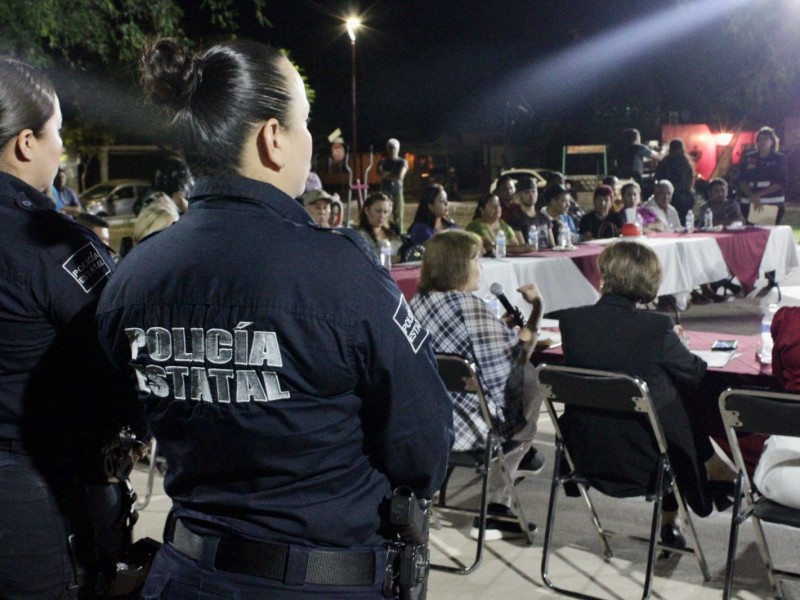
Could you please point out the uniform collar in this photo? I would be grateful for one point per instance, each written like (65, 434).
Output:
(617, 300)
(255, 193)
(15, 189)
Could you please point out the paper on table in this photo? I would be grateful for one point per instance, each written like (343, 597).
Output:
(715, 358)
(766, 215)
(601, 241)
(548, 339)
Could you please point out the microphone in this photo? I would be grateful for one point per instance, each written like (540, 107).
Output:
(515, 313)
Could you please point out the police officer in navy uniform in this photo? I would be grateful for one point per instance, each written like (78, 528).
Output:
(60, 399)
(762, 175)
(290, 387)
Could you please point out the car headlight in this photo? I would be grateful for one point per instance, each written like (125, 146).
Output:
(95, 207)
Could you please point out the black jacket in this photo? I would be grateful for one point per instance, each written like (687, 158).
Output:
(288, 384)
(58, 392)
(614, 335)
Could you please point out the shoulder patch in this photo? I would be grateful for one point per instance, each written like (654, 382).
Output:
(87, 267)
(412, 329)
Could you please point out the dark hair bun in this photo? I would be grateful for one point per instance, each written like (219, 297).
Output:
(169, 74)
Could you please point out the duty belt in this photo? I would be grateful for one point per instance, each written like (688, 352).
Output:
(274, 561)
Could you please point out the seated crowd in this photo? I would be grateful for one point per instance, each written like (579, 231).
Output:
(461, 323)
(651, 347)
(529, 218)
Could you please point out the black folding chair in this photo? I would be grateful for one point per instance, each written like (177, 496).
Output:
(459, 376)
(768, 413)
(620, 393)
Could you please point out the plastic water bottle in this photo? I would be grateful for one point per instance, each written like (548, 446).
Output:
(563, 237)
(533, 237)
(765, 348)
(689, 222)
(543, 231)
(386, 254)
(708, 220)
(500, 245)
(493, 304)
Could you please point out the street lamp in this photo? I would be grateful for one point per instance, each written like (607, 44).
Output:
(353, 23)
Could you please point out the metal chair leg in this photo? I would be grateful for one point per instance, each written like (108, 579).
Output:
(598, 527)
(654, 530)
(482, 514)
(761, 542)
(551, 514)
(517, 505)
(736, 519)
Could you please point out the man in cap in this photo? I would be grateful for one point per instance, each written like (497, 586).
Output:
(392, 171)
(524, 217)
(318, 205)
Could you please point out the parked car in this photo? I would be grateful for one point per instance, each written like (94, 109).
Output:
(114, 197)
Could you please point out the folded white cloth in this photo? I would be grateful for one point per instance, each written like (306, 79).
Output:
(778, 472)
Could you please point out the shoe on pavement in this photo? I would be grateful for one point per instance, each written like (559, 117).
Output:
(699, 299)
(531, 464)
(497, 529)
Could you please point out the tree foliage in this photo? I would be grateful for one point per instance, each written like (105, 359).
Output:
(90, 49)
(108, 31)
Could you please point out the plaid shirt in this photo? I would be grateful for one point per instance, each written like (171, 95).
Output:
(459, 323)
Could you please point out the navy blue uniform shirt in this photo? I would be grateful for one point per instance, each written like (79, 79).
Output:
(58, 393)
(761, 172)
(289, 386)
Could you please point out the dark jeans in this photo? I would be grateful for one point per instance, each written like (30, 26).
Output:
(34, 556)
(174, 576)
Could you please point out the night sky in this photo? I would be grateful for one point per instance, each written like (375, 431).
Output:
(425, 68)
(547, 71)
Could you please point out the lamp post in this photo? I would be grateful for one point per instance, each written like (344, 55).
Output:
(353, 23)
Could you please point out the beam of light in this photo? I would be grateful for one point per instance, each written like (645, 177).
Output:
(99, 103)
(353, 23)
(560, 80)
(723, 139)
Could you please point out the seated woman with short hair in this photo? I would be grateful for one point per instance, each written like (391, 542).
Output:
(461, 323)
(614, 335)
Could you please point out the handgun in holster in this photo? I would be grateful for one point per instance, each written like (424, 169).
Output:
(409, 557)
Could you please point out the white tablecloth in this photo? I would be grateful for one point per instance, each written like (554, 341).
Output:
(687, 262)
